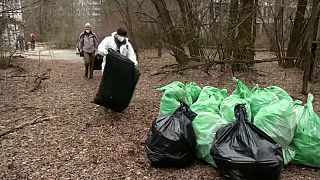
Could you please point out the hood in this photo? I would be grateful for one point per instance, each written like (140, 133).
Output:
(114, 33)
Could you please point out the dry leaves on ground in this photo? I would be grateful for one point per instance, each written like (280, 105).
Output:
(78, 140)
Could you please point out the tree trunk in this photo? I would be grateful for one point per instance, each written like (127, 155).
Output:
(231, 42)
(245, 50)
(295, 42)
(311, 30)
(278, 44)
(190, 27)
(231, 36)
(309, 35)
(159, 39)
(124, 9)
(131, 29)
(254, 26)
(171, 32)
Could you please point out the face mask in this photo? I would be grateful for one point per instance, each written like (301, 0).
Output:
(120, 38)
(87, 31)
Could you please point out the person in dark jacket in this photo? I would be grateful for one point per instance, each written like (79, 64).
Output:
(20, 42)
(88, 44)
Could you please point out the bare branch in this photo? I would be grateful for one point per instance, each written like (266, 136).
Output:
(33, 122)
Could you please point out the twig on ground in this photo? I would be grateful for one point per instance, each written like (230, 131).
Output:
(18, 107)
(221, 62)
(162, 71)
(245, 61)
(39, 79)
(35, 121)
(18, 76)
(147, 62)
(170, 65)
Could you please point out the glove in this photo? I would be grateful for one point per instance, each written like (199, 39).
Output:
(81, 54)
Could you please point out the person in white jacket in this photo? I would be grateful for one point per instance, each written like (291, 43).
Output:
(119, 42)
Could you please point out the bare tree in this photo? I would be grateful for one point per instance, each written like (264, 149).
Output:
(245, 39)
(297, 31)
(233, 20)
(310, 35)
(191, 28)
(125, 9)
(172, 33)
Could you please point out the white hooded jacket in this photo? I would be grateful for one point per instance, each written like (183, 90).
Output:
(125, 49)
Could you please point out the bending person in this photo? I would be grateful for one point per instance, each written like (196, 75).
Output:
(119, 42)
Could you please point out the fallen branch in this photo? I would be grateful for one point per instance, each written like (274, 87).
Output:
(221, 62)
(18, 107)
(244, 61)
(177, 70)
(170, 65)
(38, 80)
(18, 76)
(147, 62)
(162, 72)
(33, 122)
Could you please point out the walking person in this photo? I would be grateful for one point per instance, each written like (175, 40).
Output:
(20, 42)
(88, 44)
(33, 41)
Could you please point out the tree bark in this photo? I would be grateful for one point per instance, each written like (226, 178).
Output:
(173, 34)
(308, 36)
(278, 44)
(295, 42)
(190, 27)
(245, 37)
(311, 30)
(231, 36)
(125, 11)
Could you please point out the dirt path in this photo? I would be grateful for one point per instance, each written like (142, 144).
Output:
(45, 53)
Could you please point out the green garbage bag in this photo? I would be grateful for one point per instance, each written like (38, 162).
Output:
(174, 94)
(288, 155)
(208, 120)
(298, 109)
(241, 90)
(306, 142)
(218, 94)
(279, 121)
(256, 89)
(238, 96)
(260, 99)
(281, 94)
(227, 108)
(194, 90)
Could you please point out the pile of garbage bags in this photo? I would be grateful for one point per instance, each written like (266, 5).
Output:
(246, 122)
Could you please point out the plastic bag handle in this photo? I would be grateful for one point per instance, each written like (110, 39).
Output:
(240, 113)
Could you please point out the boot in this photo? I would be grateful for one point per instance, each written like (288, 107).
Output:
(86, 71)
(91, 72)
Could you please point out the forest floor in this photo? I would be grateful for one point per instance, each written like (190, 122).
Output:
(54, 131)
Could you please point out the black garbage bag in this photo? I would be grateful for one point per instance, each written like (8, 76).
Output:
(242, 151)
(98, 59)
(118, 82)
(171, 141)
